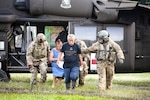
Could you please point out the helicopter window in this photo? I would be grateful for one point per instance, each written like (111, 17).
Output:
(30, 37)
(116, 34)
(86, 33)
(20, 0)
(18, 40)
(51, 33)
(1, 45)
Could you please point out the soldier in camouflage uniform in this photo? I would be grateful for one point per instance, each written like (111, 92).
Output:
(37, 57)
(83, 69)
(106, 51)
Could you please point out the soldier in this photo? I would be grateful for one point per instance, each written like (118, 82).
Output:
(83, 69)
(37, 57)
(106, 51)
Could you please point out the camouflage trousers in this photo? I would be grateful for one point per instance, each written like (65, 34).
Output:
(82, 74)
(42, 68)
(105, 70)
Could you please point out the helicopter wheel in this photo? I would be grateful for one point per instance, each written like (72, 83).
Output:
(3, 76)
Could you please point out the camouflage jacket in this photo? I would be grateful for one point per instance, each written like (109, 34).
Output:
(83, 46)
(36, 53)
(108, 54)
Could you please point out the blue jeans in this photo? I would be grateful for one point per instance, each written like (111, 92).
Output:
(71, 74)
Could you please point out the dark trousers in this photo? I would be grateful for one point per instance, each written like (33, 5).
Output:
(71, 74)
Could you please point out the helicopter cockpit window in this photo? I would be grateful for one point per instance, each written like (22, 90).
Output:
(86, 33)
(116, 34)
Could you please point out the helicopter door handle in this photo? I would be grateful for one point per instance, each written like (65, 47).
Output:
(142, 56)
(138, 57)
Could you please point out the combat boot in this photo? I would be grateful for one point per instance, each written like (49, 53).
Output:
(81, 82)
(108, 87)
(67, 86)
(73, 85)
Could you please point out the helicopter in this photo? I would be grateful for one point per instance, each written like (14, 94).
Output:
(127, 22)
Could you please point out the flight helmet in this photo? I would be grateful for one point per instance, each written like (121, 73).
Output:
(103, 36)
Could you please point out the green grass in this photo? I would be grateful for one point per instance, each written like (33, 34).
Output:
(46, 97)
(136, 79)
(127, 86)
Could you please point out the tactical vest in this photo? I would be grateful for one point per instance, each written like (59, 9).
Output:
(40, 51)
(106, 53)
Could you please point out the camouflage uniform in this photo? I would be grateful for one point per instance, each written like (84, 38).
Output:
(37, 56)
(106, 57)
(86, 57)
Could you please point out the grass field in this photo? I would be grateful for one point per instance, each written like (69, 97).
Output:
(126, 86)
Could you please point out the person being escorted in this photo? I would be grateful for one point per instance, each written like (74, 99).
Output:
(83, 69)
(57, 71)
(37, 57)
(72, 56)
(106, 51)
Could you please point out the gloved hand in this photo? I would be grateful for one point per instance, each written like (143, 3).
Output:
(121, 61)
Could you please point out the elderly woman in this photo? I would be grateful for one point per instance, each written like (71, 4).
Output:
(72, 56)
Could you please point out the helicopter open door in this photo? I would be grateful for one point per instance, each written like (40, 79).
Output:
(17, 58)
(123, 34)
